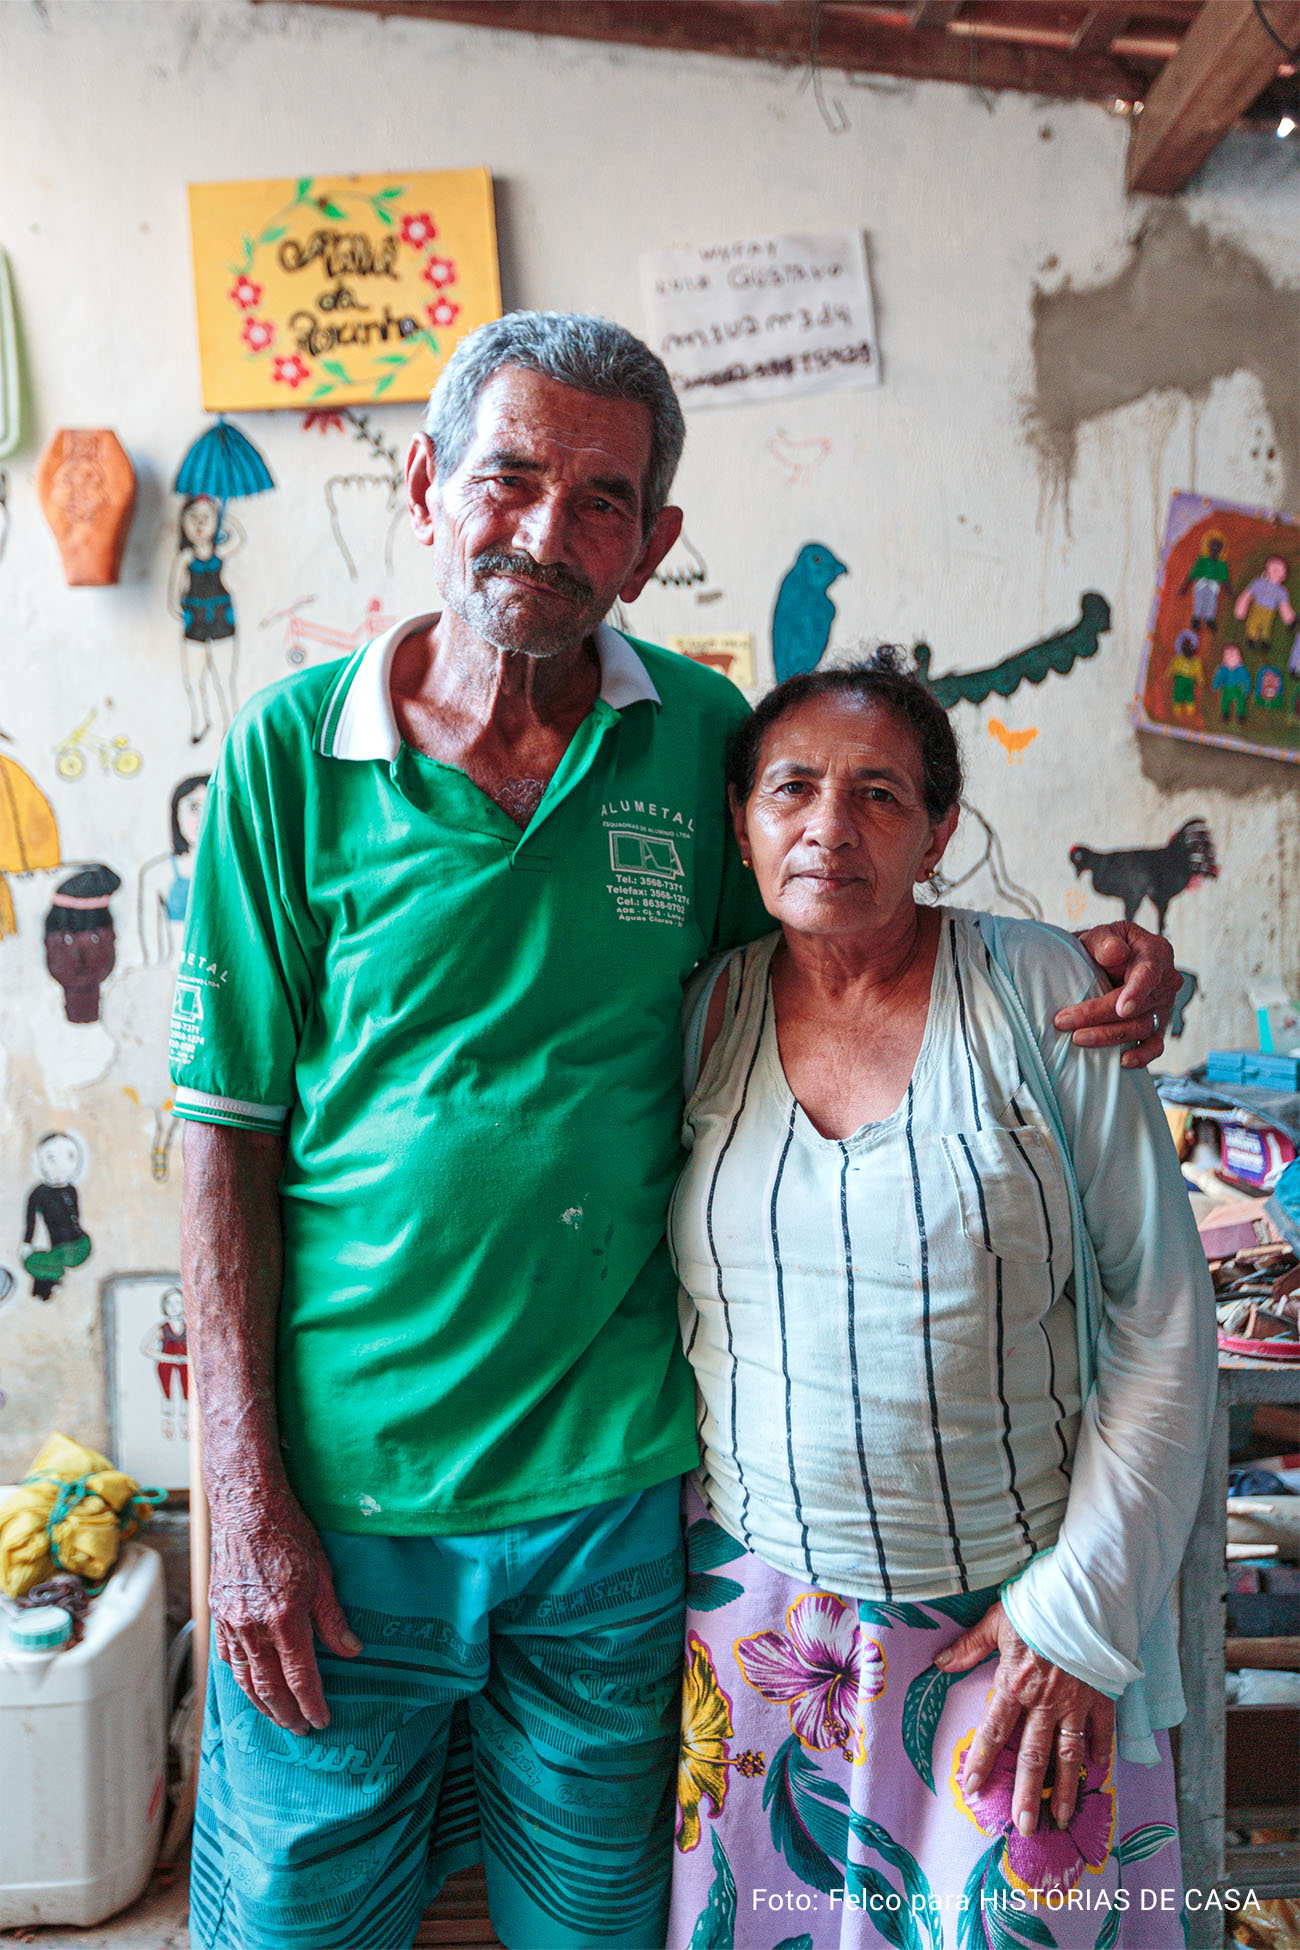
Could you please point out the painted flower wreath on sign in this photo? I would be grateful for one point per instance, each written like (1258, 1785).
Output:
(325, 340)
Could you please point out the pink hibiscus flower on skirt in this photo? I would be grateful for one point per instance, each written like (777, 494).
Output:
(1052, 1860)
(822, 1669)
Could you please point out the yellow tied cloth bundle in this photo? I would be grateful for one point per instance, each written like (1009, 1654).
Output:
(70, 1513)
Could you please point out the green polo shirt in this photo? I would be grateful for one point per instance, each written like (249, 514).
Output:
(470, 1036)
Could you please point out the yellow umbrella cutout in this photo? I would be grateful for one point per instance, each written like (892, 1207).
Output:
(29, 834)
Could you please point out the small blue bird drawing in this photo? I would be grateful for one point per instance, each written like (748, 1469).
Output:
(804, 612)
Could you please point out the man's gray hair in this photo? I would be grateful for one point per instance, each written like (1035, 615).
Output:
(591, 354)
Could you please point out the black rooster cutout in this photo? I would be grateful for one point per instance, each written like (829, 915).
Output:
(1151, 873)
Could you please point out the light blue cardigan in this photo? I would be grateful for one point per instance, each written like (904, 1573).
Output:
(1154, 1698)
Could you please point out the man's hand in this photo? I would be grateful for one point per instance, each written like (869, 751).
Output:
(270, 1584)
(1065, 1722)
(1136, 1013)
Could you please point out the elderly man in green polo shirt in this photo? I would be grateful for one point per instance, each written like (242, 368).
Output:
(427, 1036)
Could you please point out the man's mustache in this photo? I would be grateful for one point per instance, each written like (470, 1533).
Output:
(548, 575)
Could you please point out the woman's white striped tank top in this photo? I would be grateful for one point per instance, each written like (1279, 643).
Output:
(883, 1343)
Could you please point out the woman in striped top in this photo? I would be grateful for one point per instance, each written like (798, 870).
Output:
(899, 1479)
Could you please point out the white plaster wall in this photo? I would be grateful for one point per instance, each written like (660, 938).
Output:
(931, 492)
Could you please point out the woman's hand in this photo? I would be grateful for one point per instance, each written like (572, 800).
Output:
(1065, 1720)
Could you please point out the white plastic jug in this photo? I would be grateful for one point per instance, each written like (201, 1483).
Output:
(83, 1757)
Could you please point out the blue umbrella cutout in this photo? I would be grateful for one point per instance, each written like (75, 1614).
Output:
(224, 465)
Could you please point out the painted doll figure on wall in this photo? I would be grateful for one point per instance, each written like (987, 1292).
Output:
(80, 940)
(1187, 671)
(1208, 580)
(53, 1204)
(165, 880)
(141, 998)
(166, 1345)
(1262, 600)
(208, 536)
(1232, 682)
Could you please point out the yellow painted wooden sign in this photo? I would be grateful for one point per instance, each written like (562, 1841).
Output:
(339, 290)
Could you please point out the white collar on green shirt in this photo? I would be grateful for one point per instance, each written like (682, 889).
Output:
(363, 725)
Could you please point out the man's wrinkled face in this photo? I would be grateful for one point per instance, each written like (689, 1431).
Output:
(541, 526)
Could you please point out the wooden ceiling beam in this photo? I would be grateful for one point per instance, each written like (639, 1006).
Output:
(1226, 58)
(848, 37)
(933, 13)
(1098, 29)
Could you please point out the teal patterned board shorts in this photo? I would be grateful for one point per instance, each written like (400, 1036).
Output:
(822, 1803)
(516, 1703)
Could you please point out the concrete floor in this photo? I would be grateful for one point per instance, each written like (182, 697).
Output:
(156, 1922)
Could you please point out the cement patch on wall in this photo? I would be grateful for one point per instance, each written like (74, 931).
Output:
(1188, 308)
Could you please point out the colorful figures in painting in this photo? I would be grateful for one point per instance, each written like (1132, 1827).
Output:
(80, 940)
(1187, 671)
(53, 1204)
(1232, 682)
(1268, 687)
(1262, 600)
(804, 614)
(1154, 873)
(1208, 580)
(1241, 568)
(166, 1345)
(208, 537)
(165, 880)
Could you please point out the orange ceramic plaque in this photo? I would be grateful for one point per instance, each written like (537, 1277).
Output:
(339, 289)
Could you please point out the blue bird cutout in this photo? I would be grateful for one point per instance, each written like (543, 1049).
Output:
(804, 612)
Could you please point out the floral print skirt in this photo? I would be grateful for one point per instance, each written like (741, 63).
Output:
(820, 1796)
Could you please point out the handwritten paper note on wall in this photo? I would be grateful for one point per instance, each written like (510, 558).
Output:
(764, 318)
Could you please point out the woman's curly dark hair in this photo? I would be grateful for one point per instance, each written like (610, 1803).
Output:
(881, 679)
